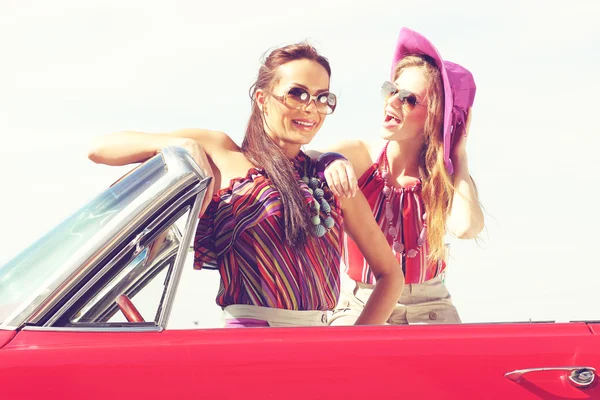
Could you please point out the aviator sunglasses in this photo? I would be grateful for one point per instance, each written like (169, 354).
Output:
(408, 99)
(298, 98)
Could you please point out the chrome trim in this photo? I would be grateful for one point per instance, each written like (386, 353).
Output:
(583, 377)
(138, 238)
(8, 328)
(580, 377)
(140, 273)
(181, 172)
(151, 227)
(107, 329)
(86, 255)
(52, 320)
(80, 273)
(175, 277)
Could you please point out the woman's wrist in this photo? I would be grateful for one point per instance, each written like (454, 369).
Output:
(324, 160)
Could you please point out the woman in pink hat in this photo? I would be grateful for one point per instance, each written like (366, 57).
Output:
(416, 181)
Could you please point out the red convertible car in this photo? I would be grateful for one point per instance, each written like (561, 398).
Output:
(85, 314)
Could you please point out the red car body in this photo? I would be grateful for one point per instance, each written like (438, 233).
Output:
(426, 362)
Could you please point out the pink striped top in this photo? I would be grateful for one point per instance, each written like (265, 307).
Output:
(407, 204)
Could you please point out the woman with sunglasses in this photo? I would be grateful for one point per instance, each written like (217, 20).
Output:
(416, 181)
(273, 228)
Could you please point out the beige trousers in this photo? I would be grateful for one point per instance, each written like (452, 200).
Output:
(422, 303)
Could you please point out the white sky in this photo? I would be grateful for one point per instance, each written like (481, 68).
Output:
(71, 70)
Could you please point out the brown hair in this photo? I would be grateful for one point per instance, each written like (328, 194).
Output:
(438, 189)
(263, 152)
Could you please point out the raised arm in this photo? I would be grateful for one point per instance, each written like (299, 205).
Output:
(465, 220)
(205, 147)
(128, 147)
(362, 228)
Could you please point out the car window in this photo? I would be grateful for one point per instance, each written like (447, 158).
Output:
(31, 276)
(139, 277)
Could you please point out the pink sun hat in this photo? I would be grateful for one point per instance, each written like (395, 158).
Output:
(458, 82)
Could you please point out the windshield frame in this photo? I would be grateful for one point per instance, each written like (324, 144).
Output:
(152, 184)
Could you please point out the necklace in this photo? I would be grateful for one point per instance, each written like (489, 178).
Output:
(397, 245)
(320, 193)
(319, 202)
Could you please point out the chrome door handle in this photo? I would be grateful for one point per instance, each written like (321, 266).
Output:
(581, 377)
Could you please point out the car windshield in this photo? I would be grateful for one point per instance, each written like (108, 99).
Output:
(27, 280)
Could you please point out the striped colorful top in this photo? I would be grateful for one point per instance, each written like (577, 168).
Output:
(242, 232)
(408, 207)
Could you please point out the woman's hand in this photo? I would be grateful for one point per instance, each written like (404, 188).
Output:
(341, 178)
(459, 151)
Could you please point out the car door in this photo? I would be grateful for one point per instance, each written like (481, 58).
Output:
(442, 362)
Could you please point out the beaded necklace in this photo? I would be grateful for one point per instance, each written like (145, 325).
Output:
(316, 188)
(321, 194)
(397, 245)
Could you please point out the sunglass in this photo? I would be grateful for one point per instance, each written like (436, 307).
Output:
(408, 99)
(299, 98)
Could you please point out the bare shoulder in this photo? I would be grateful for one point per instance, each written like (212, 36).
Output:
(375, 147)
(223, 152)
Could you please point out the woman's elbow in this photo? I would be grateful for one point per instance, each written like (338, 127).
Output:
(93, 156)
(399, 283)
(95, 153)
(394, 280)
(467, 231)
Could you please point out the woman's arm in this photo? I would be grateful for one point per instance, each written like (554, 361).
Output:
(466, 219)
(129, 147)
(362, 228)
(123, 148)
(341, 176)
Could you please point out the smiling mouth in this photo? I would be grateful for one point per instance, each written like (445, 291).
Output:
(389, 117)
(304, 124)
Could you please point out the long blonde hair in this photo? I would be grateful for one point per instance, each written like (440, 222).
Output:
(437, 189)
